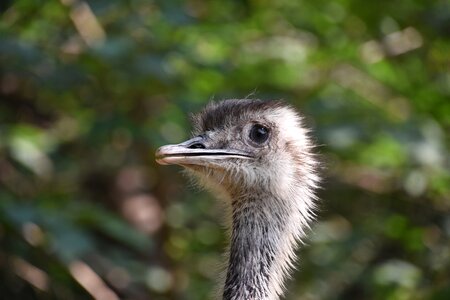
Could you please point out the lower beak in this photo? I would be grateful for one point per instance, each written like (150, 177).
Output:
(194, 152)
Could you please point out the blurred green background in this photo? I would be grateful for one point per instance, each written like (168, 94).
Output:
(89, 90)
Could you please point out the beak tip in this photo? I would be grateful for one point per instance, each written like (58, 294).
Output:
(161, 161)
(159, 156)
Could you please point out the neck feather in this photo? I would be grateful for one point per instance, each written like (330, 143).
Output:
(264, 234)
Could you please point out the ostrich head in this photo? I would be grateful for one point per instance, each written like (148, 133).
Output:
(258, 155)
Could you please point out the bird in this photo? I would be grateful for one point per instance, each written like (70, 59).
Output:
(259, 157)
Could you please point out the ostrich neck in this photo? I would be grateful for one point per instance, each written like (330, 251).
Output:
(263, 240)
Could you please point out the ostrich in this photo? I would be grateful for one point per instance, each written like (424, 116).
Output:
(257, 155)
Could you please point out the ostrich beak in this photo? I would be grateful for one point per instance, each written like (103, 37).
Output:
(195, 152)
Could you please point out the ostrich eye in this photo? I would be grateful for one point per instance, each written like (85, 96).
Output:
(259, 134)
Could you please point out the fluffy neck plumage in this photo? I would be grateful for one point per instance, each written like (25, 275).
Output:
(264, 235)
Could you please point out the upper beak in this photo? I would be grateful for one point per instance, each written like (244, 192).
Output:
(194, 152)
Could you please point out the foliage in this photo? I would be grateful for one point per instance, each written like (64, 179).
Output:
(89, 90)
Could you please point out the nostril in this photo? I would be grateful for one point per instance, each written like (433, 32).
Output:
(197, 146)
